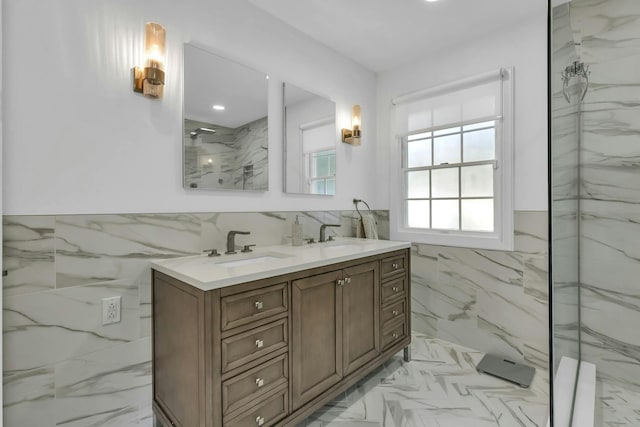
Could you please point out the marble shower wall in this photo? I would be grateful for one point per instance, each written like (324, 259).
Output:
(251, 159)
(491, 301)
(610, 253)
(61, 365)
(239, 156)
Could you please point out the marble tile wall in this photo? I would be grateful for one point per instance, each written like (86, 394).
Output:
(491, 301)
(610, 187)
(62, 367)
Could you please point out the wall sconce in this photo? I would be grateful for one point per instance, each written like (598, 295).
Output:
(352, 136)
(149, 80)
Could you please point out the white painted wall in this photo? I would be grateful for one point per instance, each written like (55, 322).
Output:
(523, 46)
(78, 140)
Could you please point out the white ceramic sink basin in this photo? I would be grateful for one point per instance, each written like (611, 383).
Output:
(344, 245)
(338, 244)
(250, 259)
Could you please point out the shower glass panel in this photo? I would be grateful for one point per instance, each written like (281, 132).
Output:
(595, 203)
(565, 228)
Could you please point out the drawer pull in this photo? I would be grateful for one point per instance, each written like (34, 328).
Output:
(394, 335)
(259, 420)
(395, 265)
(259, 305)
(259, 343)
(259, 382)
(395, 289)
(395, 312)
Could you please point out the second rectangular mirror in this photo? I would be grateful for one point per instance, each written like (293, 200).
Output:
(309, 142)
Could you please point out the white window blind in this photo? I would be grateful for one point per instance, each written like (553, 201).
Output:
(469, 101)
(318, 136)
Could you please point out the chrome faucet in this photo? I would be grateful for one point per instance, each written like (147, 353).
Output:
(322, 232)
(231, 244)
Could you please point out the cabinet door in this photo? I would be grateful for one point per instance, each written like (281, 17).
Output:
(361, 315)
(316, 346)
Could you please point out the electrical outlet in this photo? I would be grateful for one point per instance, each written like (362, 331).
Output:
(111, 310)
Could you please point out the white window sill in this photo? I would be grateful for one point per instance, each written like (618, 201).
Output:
(491, 241)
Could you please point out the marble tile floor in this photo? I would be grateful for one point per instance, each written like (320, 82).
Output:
(438, 388)
(616, 406)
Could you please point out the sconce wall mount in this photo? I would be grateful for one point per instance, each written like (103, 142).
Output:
(149, 80)
(352, 136)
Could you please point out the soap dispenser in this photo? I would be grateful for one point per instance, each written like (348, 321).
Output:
(296, 233)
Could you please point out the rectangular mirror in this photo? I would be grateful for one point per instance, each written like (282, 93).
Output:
(225, 143)
(309, 142)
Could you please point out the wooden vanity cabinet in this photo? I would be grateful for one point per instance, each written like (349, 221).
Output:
(273, 351)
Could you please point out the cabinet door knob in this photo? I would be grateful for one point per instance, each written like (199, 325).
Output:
(259, 305)
(259, 382)
(395, 265)
(395, 312)
(340, 282)
(259, 343)
(395, 289)
(259, 420)
(394, 335)
(347, 280)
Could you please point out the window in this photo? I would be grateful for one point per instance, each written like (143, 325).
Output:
(453, 174)
(322, 172)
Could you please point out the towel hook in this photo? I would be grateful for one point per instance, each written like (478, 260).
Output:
(356, 201)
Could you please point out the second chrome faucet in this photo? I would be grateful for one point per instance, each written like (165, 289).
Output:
(323, 231)
(231, 243)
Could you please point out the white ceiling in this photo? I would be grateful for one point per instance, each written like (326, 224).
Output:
(382, 34)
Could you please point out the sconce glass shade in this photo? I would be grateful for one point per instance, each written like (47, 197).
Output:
(150, 80)
(356, 120)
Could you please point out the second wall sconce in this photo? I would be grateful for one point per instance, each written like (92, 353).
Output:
(149, 80)
(352, 136)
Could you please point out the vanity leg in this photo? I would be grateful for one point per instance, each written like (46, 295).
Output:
(407, 354)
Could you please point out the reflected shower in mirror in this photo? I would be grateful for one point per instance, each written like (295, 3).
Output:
(309, 142)
(224, 124)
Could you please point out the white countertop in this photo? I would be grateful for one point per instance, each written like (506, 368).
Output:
(207, 273)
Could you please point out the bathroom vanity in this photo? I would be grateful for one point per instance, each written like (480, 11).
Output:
(268, 337)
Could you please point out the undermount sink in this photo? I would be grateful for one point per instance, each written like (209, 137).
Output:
(250, 259)
(337, 244)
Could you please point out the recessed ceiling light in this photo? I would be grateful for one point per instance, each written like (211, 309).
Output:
(218, 107)
(431, 1)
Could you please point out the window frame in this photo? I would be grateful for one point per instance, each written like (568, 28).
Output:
(502, 238)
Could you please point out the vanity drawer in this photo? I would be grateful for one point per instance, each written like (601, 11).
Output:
(393, 312)
(393, 290)
(394, 334)
(247, 387)
(246, 307)
(254, 343)
(393, 265)
(265, 414)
